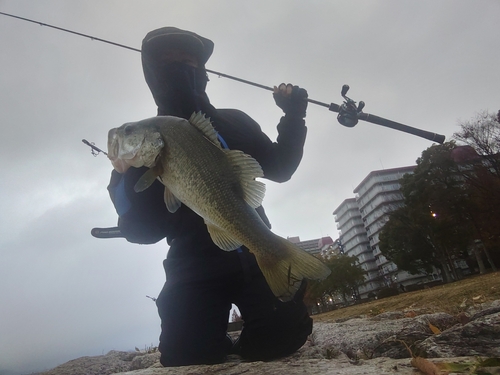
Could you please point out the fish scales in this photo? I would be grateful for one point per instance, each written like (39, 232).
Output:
(198, 173)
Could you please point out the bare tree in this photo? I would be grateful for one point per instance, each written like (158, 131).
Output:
(482, 133)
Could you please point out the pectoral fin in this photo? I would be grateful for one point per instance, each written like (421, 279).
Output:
(221, 238)
(148, 178)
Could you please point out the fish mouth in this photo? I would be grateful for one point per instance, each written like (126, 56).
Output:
(121, 159)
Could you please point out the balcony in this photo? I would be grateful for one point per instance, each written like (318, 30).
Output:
(381, 260)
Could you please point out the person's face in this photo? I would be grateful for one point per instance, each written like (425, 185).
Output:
(177, 55)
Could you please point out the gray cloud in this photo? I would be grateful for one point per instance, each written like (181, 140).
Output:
(65, 294)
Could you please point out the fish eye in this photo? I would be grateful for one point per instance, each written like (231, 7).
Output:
(128, 130)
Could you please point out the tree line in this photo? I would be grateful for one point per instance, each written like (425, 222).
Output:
(343, 282)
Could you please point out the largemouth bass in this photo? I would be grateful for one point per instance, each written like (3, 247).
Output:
(219, 185)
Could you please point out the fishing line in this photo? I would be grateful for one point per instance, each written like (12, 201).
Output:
(129, 48)
(71, 32)
(348, 113)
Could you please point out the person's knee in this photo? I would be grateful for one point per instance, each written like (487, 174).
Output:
(193, 324)
(278, 336)
(189, 343)
(193, 349)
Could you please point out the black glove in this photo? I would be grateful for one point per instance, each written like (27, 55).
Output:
(291, 99)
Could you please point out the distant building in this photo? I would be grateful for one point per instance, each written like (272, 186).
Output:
(354, 241)
(314, 247)
(360, 221)
(332, 250)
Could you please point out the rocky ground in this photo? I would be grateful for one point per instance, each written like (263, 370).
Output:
(378, 344)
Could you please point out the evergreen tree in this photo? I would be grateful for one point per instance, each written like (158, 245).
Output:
(344, 280)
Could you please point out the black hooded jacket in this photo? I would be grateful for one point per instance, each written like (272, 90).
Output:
(145, 218)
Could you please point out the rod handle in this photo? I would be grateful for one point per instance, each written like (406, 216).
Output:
(439, 138)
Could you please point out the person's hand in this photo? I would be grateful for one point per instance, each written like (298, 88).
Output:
(291, 99)
(118, 193)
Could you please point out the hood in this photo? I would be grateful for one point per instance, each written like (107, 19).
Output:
(178, 94)
(164, 38)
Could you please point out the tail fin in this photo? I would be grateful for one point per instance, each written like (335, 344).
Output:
(284, 273)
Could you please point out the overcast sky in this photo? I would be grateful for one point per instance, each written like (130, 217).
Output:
(63, 294)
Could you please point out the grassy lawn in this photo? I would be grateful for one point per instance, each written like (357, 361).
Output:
(451, 298)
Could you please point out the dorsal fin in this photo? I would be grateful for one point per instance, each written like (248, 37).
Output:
(247, 169)
(204, 125)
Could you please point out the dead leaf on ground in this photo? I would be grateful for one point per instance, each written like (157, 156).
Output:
(424, 365)
(456, 367)
(488, 366)
(434, 329)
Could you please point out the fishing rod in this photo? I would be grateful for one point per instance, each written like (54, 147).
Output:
(348, 112)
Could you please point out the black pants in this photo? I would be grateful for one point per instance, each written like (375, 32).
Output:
(195, 302)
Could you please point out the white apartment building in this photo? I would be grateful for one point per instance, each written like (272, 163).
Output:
(360, 221)
(355, 241)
